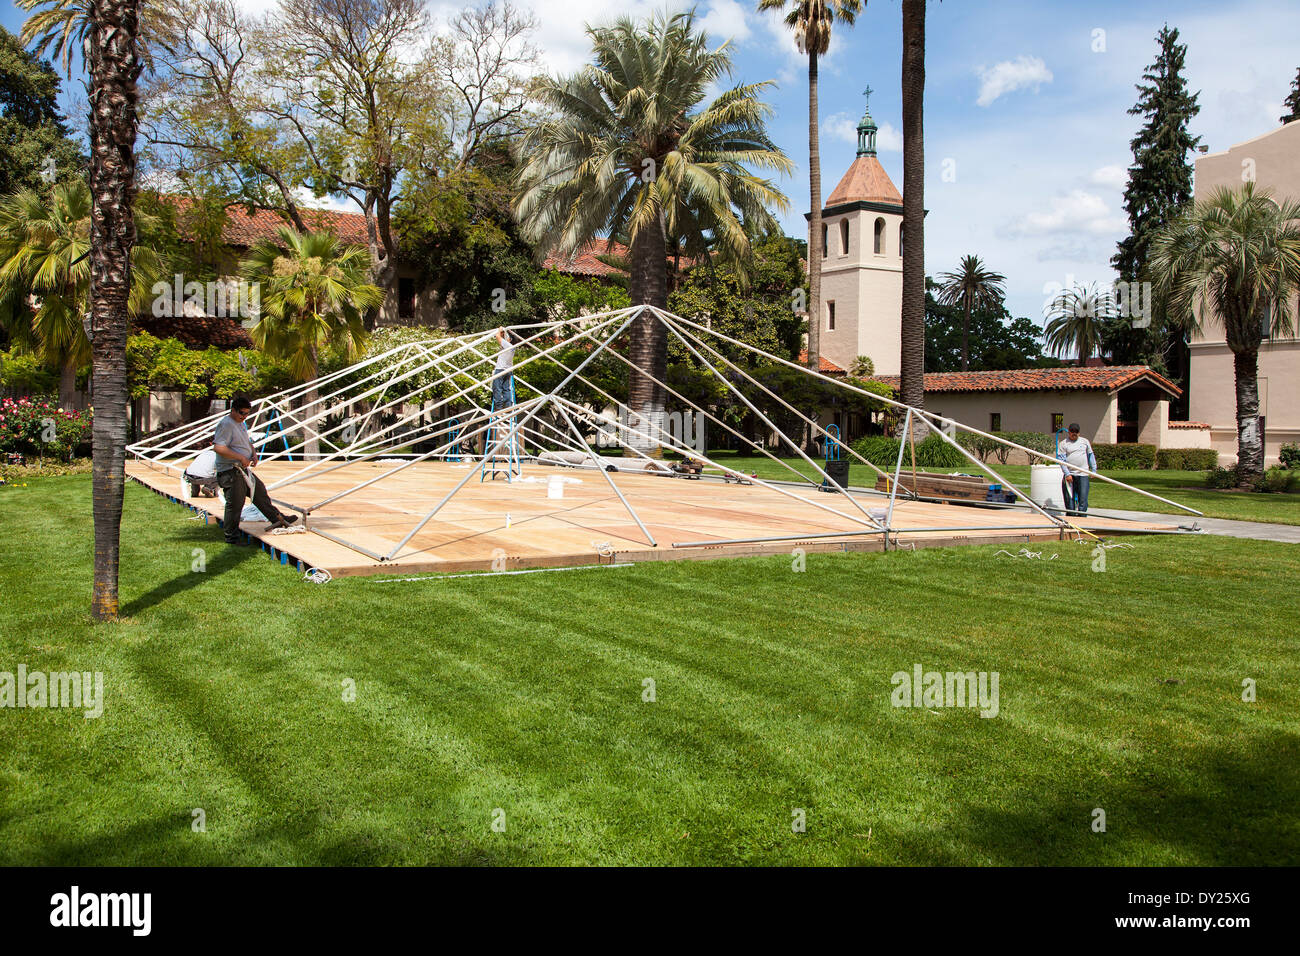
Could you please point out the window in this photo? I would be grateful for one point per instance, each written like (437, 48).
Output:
(844, 236)
(995, 422)
(1058, 421)
(824, 249)
(880, 237)
(830, 316)
(900, 240)
(405, 298)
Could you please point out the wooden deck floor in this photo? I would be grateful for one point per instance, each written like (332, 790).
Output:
(507, 526)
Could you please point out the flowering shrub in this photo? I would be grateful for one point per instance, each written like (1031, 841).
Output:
(39, 427)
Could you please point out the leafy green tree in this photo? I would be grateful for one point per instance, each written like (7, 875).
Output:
(627, 150)
(996, 340)
(45, 242)
(1159, 186)
(35, 148)
(1292, 101)
(1236, 253)
(812, 24)
(971, 286)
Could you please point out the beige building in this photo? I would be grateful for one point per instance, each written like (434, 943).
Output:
(1273, 161)
(862, 263)
(1048, 399)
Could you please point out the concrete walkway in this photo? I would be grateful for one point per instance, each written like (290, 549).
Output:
(1259, 530)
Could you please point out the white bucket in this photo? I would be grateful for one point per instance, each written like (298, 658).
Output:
(1045, 486)
(555, 486)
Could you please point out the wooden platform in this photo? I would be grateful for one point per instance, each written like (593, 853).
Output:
(589, 525)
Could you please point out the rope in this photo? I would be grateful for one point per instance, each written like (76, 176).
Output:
(603, 548)
(295, 529)
(318, 576)
(1025, 553)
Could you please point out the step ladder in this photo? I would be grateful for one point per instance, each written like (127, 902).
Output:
(504, 462)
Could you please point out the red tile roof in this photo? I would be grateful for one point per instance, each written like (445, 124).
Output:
(585, 261)
(244, 229)
(1102, 377)
(826, 365)
(196, 331)
(866, 181)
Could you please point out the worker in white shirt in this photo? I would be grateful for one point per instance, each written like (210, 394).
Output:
(1075, 453)
(503, 370)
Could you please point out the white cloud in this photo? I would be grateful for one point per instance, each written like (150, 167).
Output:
(1113, 176)
(303, 196)
(727, 20)
(844, 127)
(1024, 72)
(1078, 212)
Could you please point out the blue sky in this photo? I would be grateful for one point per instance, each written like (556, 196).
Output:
(1025, 107)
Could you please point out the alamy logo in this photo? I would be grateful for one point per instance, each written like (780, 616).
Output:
(676, 429)
(102, 909)
(225, 298)
(923, 688)
(37, 689)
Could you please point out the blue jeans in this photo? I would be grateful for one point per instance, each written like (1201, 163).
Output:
(1075, 494)
(501, 391)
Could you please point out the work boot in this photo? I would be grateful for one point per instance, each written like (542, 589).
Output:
(284, 521)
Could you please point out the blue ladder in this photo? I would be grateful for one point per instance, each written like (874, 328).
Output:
(833, 442)
(454, 424)
(495, 464)
(278, 425)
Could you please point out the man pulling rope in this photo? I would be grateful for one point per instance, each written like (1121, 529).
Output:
(235, 459)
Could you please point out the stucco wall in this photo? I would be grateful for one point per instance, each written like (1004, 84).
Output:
(867, 289)
(1274, 160)
(1095, 411)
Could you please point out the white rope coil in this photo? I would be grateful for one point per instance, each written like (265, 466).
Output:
(318, 576)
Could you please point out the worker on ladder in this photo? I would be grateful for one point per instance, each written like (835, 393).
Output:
(502, 460)
(503, 372)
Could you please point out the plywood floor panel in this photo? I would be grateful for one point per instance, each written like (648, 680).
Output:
(470, 533)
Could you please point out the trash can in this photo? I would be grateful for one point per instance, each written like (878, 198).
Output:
(837, 471)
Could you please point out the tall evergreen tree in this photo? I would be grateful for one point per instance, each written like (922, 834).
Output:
(32, 130)
(1160, 178)
(1292, 101)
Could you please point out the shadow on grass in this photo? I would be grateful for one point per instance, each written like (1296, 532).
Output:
(227, 558)
(1212, 807)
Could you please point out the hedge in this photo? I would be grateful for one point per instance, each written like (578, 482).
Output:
(931, 452)
(1124, 455)
(1187, 459)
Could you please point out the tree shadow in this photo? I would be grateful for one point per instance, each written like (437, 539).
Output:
(227, 558)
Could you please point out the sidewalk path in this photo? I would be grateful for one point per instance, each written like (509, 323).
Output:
(1258, 530)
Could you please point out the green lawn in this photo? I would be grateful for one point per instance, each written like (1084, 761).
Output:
(1186, 487)
(1119, 690)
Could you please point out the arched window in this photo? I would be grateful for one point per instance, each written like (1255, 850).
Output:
(824, 249)
(880, 237)
(900, 240)
(844, 235)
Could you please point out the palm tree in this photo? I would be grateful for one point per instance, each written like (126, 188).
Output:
(811, 21)
(1076, 318)
(1238, 252)
(912, 357)
(44, 256)
(624, 151)
(973, 287)
(109, 33)
(314, 291)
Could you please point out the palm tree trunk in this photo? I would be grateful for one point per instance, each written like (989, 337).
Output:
(814, 222)
(1250, 443)
(311, 444)
(912, 359)
(965, 339)
(648, 342)
(114, 66)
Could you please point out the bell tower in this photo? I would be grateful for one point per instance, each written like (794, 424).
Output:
(862, 261)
